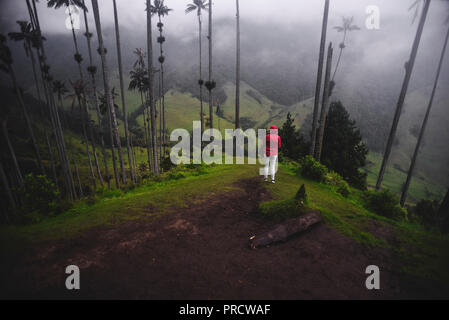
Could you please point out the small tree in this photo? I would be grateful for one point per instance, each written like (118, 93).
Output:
(294, 145)
(343, 149)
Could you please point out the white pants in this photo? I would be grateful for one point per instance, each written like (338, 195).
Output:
(270, 165)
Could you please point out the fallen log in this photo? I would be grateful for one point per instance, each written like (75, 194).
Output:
(286, 229)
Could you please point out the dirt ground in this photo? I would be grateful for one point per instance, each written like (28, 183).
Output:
(202, 252)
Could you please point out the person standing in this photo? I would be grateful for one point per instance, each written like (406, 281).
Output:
(273, 143)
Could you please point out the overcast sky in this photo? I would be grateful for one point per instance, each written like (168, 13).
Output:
(384, 49)
(285, 12)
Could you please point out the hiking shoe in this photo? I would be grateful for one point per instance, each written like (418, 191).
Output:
(272, 181)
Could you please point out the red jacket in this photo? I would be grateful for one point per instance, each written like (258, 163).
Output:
(273, 143)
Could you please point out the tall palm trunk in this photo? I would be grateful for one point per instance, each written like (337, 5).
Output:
(36, 81)
(52, 160)
(27, 118)
(151, 88)
(408, 72)
(325, 105)
(75, 42)
(92, 70)
(109, 99)
(56, 125)
(7, 189)
(149, 143)
(78, 60)
(91, 136)
(12, 152)
(424, 124)
(122, 92)
(77, 174)
(316, 104)
(237, 72)
(84, 119)
(111, 138)
(145, 127)
(200, 81)
(162, 94)
(133, 154)
(443, 214)
(160, 119)
(211, 111)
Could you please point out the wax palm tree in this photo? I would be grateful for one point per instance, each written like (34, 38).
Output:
(151, 87)
(237, 72)
(316, 104)
(424, 123)
(92, 69)
(12, 153)
(6, 65)
(408, 72)
(109, 98)
(325, 105)
(141, 76)
(443, 214)
(199, 6)
(346, 27)
(78, 96)
(210, 84)
(28, 36)
(50, 103)
(122, 91)
(7, 189)
(161, 10)
(60, 90)
(56, 4)
(139, 81)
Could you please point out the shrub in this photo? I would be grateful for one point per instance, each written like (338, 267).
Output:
(425, 212)
(358, 180)
(336, 180)
(385, 203)
(312, 169)
(40, 197)
(142, 170)
(175, 175)
(343, 188)
(166, 164)
(39, 193)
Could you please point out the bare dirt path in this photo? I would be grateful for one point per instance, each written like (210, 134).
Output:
(201, 252)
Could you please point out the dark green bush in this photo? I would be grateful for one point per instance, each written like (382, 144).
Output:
(384, 203)
(425, 212)
(336, 180)
(39, 197)
(175, 175)
(343, 188)
(312, 169)
(166, 164)
(142, 170)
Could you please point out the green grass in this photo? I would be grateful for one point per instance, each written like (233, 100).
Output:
(114, 207)
(419, 251)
